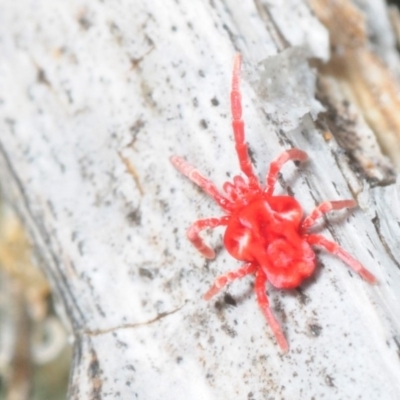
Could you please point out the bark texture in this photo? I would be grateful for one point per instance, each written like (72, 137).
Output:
(95, 96)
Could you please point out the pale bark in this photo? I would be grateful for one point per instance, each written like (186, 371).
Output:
(94, 99)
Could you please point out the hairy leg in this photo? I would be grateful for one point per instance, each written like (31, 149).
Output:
(334, 248)
(195, 176)
(259, 288)
(277, 164)
(323, 208)
(229, 277)
(238, 126)
(194, 230)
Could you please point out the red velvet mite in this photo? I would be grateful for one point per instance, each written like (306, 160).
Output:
(267, 233)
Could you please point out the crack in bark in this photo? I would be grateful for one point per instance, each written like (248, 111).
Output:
(272, 27)
(377, 225)
(94, 373)
(132, 171)
(58, 280)
(96, 332)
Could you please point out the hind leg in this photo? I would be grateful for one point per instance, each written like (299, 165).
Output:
(263, 302)
(334, 248)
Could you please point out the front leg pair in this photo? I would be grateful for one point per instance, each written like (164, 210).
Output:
(195, 229)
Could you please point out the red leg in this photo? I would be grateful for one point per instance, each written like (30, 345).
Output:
(259, 288)
(229, 189)
(223, 280)
(277, 164)
(195, 176)
(194, 230)
(335, 249)
(238, 126)
(323, 208)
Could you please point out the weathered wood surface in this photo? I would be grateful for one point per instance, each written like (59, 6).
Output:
(94, 99)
